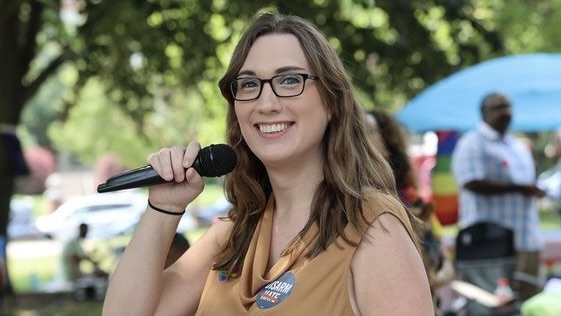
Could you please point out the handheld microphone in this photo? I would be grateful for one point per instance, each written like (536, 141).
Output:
(212, 161)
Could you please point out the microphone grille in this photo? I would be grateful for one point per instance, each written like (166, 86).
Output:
(215, 160)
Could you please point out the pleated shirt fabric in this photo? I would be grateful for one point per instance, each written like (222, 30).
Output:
(295, 285)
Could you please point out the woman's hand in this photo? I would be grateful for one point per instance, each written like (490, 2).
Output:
(185, 184)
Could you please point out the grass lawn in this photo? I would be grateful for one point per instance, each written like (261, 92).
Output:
(550, 220)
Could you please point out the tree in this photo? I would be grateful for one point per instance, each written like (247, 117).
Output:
(389, 63)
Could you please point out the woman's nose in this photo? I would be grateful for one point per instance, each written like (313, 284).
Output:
(268, 99)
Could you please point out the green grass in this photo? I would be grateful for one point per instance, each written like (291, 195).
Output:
(21, 269)
(45, 268)
(550, 220)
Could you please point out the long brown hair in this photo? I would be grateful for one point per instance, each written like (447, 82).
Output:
(352, 163)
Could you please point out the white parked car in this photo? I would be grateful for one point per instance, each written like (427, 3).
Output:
(106, 214)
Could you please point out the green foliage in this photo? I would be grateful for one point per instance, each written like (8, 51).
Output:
(528, 25)
(92, 128)
(156, 63)
(46, 107)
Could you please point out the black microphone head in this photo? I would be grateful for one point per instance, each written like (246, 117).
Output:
(215, 160)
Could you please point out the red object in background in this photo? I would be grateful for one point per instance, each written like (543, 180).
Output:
(423, 165)
(41, 163)
(446, 209)
(107, 166)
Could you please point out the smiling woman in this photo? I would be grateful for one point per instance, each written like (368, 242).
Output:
(314, 210)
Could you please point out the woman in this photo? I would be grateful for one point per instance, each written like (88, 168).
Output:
(315, 226)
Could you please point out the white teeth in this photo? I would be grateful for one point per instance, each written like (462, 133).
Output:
(273, 128)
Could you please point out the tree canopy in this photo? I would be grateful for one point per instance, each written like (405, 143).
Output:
(146, 53)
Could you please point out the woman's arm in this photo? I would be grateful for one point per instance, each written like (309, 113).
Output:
(136, 285)
(388, 273)
(184, 280)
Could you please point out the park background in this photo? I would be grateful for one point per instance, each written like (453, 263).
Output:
(89, 88)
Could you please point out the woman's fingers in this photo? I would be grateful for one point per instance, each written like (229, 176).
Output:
(191, 154)
(176, 159)
(172, 163)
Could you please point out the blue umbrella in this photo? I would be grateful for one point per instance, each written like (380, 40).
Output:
(532, 82)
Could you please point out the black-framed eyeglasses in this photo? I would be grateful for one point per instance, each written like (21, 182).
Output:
(283, 85)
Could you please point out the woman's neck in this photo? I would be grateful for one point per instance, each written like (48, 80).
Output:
(294, 188)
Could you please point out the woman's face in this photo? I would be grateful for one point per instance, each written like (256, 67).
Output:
(281, 129)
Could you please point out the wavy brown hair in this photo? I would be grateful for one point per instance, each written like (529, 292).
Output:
(352, 163)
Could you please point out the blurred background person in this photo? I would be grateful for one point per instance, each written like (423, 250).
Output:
(179, 244)
(73, 255)
(389, 135)
(83, 283)
(496, 176)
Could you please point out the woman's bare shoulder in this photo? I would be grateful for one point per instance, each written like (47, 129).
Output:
(386, 244)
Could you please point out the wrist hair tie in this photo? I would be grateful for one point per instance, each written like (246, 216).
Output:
(161, 210)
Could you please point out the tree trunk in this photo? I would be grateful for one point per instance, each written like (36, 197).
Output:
(18, 47)
(8, 155)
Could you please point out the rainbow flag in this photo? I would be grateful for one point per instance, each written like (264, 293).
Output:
(444, 188)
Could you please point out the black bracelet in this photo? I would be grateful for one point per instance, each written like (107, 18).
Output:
(164, 211)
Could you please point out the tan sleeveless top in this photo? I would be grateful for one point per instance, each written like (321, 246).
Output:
(295, 285)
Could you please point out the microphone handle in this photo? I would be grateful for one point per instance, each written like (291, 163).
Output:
(139, 177)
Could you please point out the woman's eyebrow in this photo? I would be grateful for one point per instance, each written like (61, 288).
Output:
(288, 68)
(246, 72)
(277, 71)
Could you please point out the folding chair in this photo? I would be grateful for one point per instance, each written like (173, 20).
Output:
(484, 253)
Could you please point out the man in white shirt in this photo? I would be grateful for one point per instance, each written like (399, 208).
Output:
(496, 176)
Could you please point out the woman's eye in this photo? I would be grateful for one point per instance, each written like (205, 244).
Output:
(249, 84)
(290, 80)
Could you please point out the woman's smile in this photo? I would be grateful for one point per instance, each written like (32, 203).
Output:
(273, 128)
